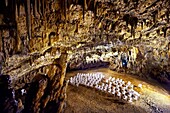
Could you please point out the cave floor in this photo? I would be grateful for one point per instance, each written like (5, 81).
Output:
(154, 98)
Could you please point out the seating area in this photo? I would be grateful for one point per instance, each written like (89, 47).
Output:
(86, 79)
(123, 90)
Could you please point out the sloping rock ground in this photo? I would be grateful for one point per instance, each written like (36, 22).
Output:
(154, 98)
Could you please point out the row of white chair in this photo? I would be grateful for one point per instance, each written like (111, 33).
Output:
(119, 88)
(115, 86)
(87, 79)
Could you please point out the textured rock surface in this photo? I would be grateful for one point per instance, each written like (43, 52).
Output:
(33, 63)
(136, 30)
(44, 84)
(39, 38)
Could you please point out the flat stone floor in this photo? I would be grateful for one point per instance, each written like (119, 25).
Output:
(154, 97)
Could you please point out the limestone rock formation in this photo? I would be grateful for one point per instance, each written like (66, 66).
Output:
(40, 39)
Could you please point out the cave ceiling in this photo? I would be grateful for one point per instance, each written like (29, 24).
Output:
(80, 28)
(58, 35)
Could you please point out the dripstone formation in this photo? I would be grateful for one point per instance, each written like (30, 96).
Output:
(40, 39)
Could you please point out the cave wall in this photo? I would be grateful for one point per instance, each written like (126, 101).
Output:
(43, 38)
(31, 61)
(136, 29)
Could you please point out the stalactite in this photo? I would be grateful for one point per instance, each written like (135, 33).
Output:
(167, 15)
(45, 5)
(39, 7)
(28, 17)
(135, 20)
(126, 18)
(142, 25)
(17, 39)
(1, 48)
(76, 1)
(113, 25)
(61, 9)
(65, 9)
(42, 7)
(16, 12)
(68, 3)
(89, 3)
(77, 26)
(132, 31)
(14, 9)
(164, 29)
(110, 27)
(136, 3)
(144, 20)
(83, 8)
(18, 6)
(11, 10)
(6, 3)
(158, 32)
(147, 35)
(3, 45)
(155, 16)
(125, 1)
(85, 5)
(132, 28)
(94, 9)
(35, 7)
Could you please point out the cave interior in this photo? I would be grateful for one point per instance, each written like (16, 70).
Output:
(74, 56)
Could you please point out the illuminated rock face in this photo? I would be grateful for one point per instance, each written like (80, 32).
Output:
(33, 63)
(39, 38)
(42, 80)
(137, 30)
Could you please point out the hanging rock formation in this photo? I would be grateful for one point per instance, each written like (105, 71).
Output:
(40, 39)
